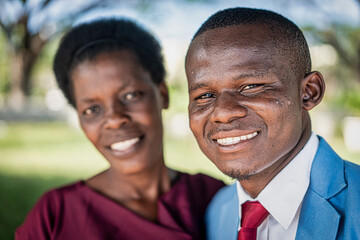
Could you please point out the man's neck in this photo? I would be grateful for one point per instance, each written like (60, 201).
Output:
(257, 182)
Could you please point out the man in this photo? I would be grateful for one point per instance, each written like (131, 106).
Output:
(250, 89)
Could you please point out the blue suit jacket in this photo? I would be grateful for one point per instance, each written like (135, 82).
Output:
(330, 209)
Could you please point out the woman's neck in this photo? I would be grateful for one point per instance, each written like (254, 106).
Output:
(139, 192)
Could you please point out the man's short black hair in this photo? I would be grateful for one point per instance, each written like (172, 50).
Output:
(288, 39)
(87, 40)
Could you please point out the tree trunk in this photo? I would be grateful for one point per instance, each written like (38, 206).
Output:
(20, 88)
(17, 98)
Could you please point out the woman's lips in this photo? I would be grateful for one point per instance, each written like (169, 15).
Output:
(124, 145)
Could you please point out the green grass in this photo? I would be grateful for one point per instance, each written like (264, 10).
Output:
(35, 157)
(18, 195)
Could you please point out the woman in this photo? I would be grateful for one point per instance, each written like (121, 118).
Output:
(112, 73)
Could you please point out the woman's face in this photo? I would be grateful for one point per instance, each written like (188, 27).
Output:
(119, 108)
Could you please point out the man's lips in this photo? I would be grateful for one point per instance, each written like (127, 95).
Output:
(234, 139)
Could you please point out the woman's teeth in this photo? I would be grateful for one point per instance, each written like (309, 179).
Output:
(121, 146)
(234, 140)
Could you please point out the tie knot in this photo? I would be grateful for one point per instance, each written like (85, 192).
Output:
(253, 214)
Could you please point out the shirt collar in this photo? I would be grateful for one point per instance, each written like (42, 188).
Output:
(284, 193)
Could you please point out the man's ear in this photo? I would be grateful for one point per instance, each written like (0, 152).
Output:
(164, 95)
(312, 90)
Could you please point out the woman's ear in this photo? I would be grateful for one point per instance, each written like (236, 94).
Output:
(164, 95)
(312, 90)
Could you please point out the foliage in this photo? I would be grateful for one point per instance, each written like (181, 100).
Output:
(348, 100)
(343, 78)
(345, 40)
(4, 66)
(25, 40)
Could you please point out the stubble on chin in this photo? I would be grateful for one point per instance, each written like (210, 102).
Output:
(237, 174)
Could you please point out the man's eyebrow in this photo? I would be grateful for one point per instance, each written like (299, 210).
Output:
(196, 86)
(241, 76)
(251, 75)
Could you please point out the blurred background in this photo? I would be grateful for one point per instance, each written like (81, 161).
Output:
(41, 145)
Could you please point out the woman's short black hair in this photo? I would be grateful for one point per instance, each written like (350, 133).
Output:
(87, 40)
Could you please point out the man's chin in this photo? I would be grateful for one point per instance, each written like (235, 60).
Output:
(239, 175)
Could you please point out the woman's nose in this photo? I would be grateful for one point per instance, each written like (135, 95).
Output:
(116, 117)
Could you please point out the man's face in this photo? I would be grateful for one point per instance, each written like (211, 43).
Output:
(244, 107)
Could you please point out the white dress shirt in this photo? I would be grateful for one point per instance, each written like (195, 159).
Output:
(283, 195)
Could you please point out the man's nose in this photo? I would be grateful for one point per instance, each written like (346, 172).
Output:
(227, 108)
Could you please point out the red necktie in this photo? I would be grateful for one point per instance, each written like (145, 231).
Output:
(253, 214)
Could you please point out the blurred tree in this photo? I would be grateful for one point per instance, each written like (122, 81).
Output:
(345, 40)
(346, 73)
(26, 36)
(4, 68)
(343, 37)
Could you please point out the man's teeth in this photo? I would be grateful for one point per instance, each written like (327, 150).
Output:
(121, 146)
(234, 140)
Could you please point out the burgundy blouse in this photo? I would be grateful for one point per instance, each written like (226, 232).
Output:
(78, 212)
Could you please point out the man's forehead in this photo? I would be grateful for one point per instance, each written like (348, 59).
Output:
(235, 32)
(231, 39)
(229, 56)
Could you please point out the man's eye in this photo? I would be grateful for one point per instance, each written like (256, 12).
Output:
(91, 110)
(205, 96)
(250, 86)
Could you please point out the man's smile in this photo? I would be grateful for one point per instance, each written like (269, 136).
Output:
(234, 140)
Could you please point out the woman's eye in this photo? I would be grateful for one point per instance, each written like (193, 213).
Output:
(91, 110)
(132, 96)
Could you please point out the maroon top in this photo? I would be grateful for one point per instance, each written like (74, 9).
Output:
(78, 212)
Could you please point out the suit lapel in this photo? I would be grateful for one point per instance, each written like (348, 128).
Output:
(320, 221)
(229, 217)
(318, 218)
